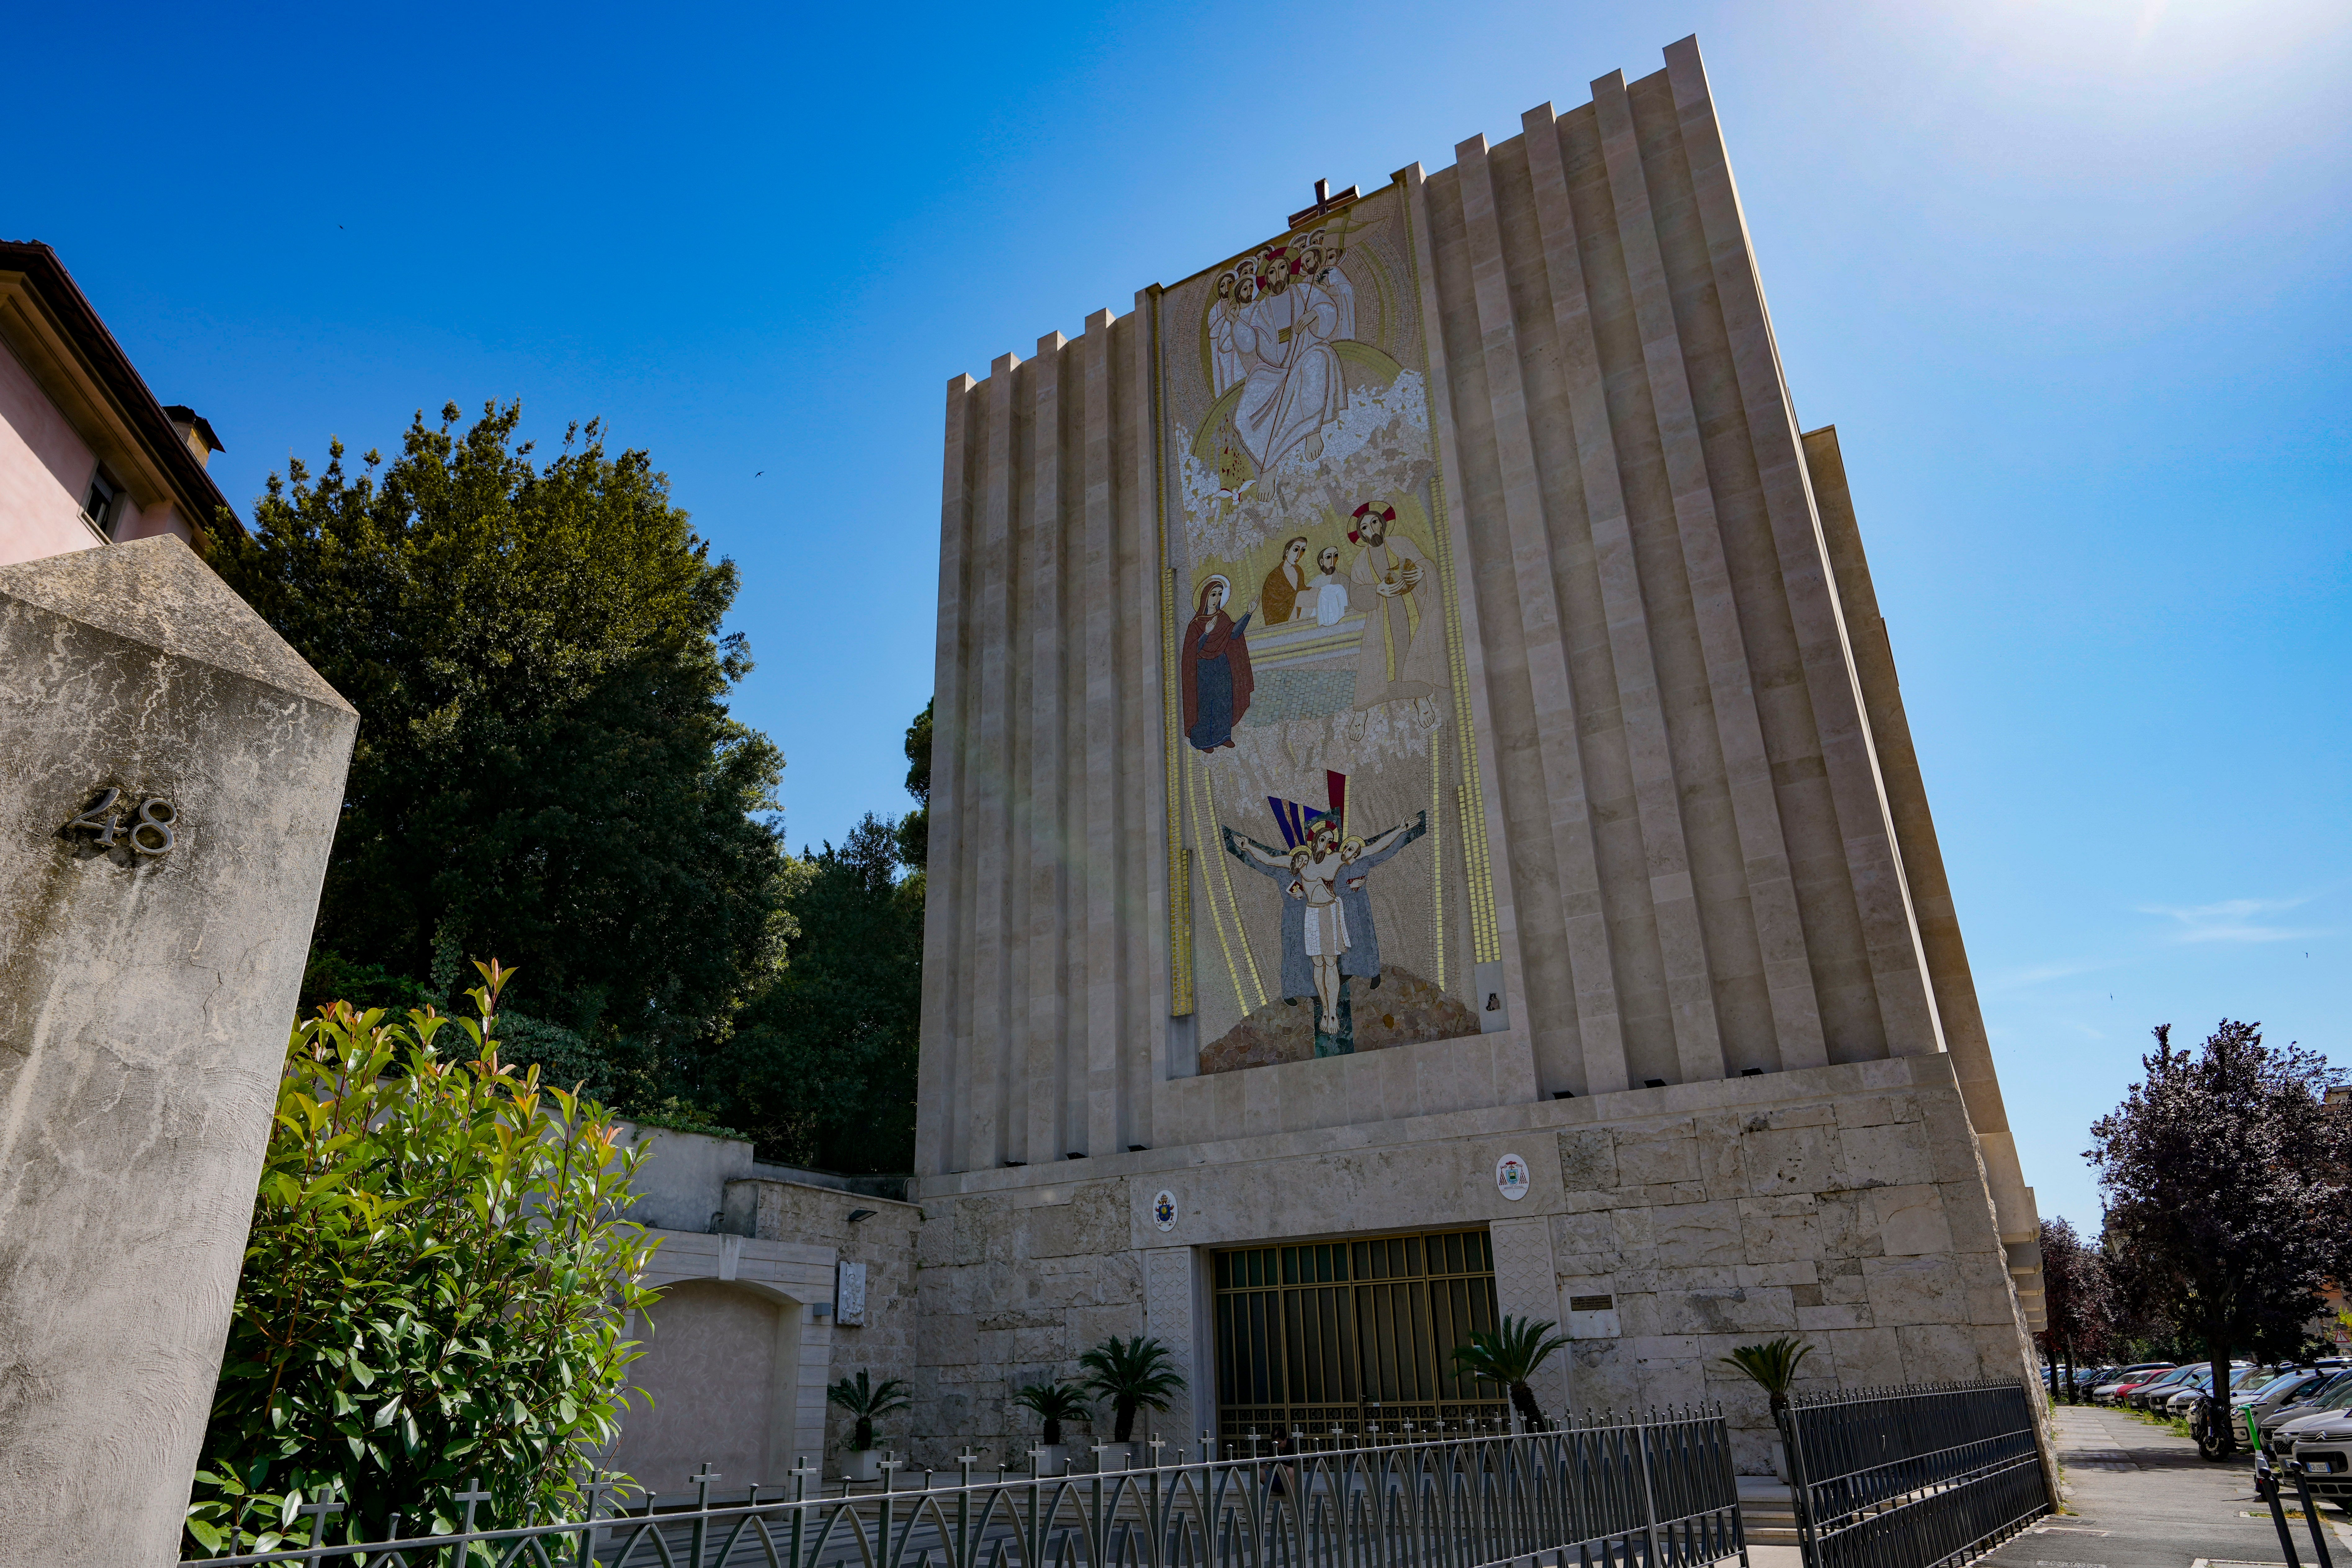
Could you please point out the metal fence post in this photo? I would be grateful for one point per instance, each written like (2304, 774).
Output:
(1649, 1497)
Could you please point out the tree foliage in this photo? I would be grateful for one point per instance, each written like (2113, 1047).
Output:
(434, 1288)
(2229, 1190)
(545, 766)
(915, 827)
(821, 1067)
(2078, 1299)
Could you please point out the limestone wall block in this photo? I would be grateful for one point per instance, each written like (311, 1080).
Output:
(1790, 1159)
(1846, 1230)
(1587, 1160)
(1876, 1111)
(1703, 1233)
(947, 1339)
(1029, 1314)
(1844, 1288)
(1864, 1358)
(1823, 1317)
(1891, 1155)
(1781, 1228)
(1583, 1236)
(1909, 1221)
(1090, 1326)
(1802, 1271)
(1912, 1291)
(1047, 1344)
(1967, 1208)
(1935, 1352)
(1650, 1156)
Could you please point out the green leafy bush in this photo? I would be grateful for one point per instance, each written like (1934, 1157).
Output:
(434, 1290)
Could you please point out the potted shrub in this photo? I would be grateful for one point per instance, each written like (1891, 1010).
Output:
(1509, 1355)
(1772, 1367)
(1052, 1404)
(865, 1402)
(1133, 1374)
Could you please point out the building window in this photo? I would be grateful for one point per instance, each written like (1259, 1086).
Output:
(103, 503)
(1359, 1335)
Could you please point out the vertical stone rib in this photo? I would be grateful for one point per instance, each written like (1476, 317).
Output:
(1103, 851)
(935, 1095)
(1906, 1004)
(1747, 768)
(1043, 816)
(1682, 945)
(1591, 969)
(1493, 830)
(989, 1022)
(1142, 1051)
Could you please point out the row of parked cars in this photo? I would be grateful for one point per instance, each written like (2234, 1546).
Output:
(2301, 1413)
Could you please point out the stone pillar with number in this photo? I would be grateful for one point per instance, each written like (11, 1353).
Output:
(171, 772)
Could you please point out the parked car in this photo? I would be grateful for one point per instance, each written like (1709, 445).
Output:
(2335, 1394)
(2241, 1375)
(2165, 1382)
(2126, 1379)
(2322, 1446)
(2284, 1389)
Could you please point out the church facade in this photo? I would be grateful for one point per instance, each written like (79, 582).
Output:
(1425, 828)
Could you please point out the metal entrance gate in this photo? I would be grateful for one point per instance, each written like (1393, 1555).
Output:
(1353, 1337)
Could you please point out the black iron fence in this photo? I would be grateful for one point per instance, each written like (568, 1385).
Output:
(1913, 1478)
(1656, 1494)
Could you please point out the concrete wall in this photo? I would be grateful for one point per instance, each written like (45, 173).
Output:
(744, 1341)
(145, 1001)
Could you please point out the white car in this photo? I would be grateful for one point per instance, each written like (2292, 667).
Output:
(2322, 1446)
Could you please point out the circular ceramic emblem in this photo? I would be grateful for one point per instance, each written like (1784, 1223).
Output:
(1511, 1177)
(1163, 1210)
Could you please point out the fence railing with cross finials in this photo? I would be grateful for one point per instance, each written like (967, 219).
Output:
(1913, 1478)
(1658, 1493)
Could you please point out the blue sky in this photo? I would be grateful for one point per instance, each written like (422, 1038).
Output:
(2070, 278)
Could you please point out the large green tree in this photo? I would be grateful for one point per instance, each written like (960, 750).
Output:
(2229, 1193)
(820, 1069)
(546, 769)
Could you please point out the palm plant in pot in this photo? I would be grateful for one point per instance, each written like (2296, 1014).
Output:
(1052, 1404)
(1509, 1355)
(866, 1402)
(1134, 1374)
(1772, 1367)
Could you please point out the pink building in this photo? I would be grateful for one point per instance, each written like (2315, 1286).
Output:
(88, 456)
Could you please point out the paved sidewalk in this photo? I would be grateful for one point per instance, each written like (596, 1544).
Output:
(2142, 1497)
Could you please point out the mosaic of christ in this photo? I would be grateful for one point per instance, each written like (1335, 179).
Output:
(1321, 735)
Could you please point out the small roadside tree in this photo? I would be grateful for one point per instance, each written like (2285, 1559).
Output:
(2077, 1300)
(434, 1288)
(2229, 1191)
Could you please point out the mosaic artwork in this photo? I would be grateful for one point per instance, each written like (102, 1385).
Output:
(1330, 893)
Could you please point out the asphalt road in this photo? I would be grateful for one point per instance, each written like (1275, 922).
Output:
(2139, 1497)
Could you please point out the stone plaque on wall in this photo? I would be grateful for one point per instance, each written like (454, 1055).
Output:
(849, 1294)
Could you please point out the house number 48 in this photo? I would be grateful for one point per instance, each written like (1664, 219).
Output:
(146, 831)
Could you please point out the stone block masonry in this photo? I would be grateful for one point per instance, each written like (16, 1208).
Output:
(1845, 1204)
(147, 982)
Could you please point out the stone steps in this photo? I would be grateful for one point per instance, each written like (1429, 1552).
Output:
(1767, 1512)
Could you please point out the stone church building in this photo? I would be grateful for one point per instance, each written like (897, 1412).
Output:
(1465, 529)
(1423, 828)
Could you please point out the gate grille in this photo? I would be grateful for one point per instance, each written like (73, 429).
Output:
(1353, 1336)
